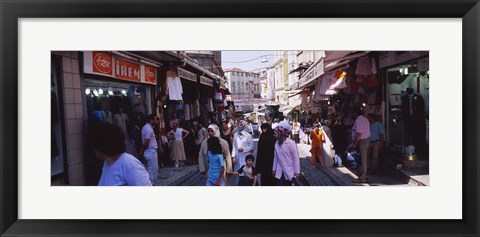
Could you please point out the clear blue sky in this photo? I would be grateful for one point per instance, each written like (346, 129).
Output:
(237, 59)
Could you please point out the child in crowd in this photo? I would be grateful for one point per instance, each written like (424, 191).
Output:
(248, 174)
(216, 165)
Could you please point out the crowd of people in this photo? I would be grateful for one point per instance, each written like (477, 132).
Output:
(224, 152)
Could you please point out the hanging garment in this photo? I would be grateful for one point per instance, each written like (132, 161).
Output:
(364, 66)
(374, 66)
(218, 97)
(340, 82)
(175, 88)
(197, 108)
(187, 112)
(372, 81)
(325, 84)
(304, 99)
(420, 85)
(210, 105)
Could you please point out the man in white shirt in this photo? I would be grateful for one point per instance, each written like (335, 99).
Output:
(361, 139)
(119, 168)
(149, 147)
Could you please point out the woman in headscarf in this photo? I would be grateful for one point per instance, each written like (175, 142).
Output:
(286, 162)
(242, 146)
(265, 153)
(214, 131)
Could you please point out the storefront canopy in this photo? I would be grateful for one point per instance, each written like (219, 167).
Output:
(287, 109)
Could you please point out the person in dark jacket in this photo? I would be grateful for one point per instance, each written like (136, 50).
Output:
(265, 152)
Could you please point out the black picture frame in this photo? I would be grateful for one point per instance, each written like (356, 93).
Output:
(11, 11)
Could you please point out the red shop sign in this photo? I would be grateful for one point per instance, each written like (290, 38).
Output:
(150, 75)
(102, 63)
(127, 70)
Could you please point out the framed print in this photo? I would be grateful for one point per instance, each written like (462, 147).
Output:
(32, 203)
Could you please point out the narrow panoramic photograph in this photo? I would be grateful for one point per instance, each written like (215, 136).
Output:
(240, 118)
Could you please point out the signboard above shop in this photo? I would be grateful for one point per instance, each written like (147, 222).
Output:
(312, 73)
(106, 64)
(206, 81)
(187, 75)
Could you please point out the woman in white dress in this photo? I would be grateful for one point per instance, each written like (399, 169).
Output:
(178, 152)
(242, 146)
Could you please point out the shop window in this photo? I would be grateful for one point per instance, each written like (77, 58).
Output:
(117, 103)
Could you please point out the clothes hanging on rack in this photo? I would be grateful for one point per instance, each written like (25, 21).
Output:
(175, 89)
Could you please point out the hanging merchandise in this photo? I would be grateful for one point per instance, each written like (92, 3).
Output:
(364, 66)
(180, 105)
(218, 97)
(340, 82)
(210, 105)
(325, 84)
(372, 81)
(305, 98)
(174, 86)
(187, 112)
(197, 108)
(374, 66)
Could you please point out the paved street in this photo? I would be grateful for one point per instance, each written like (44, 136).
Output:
(314, 176)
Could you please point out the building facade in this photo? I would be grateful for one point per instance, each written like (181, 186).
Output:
(243, 85)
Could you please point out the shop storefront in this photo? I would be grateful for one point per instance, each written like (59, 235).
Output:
(393, 86)
(119, 91)
(407, 102)
(95, 87)
(189, 96)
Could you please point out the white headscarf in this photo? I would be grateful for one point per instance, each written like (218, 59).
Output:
(215, 129)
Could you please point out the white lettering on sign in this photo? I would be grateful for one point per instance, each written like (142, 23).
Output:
(127, 72)
(314, 72)
(206, 81)
(187, 75)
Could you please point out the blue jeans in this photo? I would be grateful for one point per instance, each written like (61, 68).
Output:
(152, 164)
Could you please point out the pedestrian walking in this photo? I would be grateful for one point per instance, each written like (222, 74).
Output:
(265, 153)
(216, 167)
(318, 138)
(214, 131)
(361, 139)
(247, 173)
(201, 133)
(227, 135)
(119, 167)
(249, 127)
(377, 136)
(149, 147)
(296, 132)
(177, 152)
(286, 162)
(189, 144)
(242, 146)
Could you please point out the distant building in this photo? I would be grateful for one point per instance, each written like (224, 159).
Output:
(243, 85)
(267, 83)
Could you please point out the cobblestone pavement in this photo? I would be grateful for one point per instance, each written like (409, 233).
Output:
(313, 176)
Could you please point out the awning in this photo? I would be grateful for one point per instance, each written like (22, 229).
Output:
(299, 68)
(290, 92)
(287, 109)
